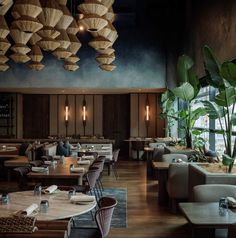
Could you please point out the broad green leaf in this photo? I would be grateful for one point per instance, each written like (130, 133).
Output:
(227, 160)
(233, 119)
(195, 114)
(228, 71)
(183, 114)
(212, 67)
(183, 65)
(185, 92)
(194, 81)
(213, 110)
(226, 97)
(197, 132)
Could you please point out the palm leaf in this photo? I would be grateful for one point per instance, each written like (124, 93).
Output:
(228, 71)
(226, 97)
(213, 110)
(185, 91)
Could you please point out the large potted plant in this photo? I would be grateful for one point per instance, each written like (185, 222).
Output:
(223, 78)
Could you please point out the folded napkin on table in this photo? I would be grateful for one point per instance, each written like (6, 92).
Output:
(105, 148)
(48, 162)
(82, 198)
(77, 170)
(56, 157)
(87, 162)
(29, 210)
(39, 169)
(87, 157)
(50, 189)
(11, 148)
(231, 202)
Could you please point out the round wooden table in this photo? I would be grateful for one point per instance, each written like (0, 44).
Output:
(59, 205)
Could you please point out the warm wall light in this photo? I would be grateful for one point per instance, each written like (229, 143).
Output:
(66, 111)
(147, 106)
(84, 108)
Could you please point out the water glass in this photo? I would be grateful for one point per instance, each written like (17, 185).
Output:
(5, 199)
(44, 205)
(71, 167)
(37, 190)
(71, 193)
(223, 206)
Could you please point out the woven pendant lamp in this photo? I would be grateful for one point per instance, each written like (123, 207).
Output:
(19, 58)
(48, 44)
(28, 24)
(112, 36)
(61, 53)
(104, 32)
(93, 23)
(36, 54)
(75, 44)
(19, 36)
(107, 67)
(71, 66)
(110, 15)
(62, 2)
(37, 66)
(73, 59)
(5, 6)
(34, 39)
(73, 28)
(107, 51)
(93, 7)
(31, 8)
(49, 32)
(4, 46)
(4, 30)
(66, 18)
(51, 13)
(20, 48)
(3, 67)
(100, 43)
(3, 59)
(63, 39)
(105, 59)
(107, 3)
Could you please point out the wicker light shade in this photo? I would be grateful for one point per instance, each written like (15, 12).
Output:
(3, 59)
(93, 7)
(112, 36)
(48, 44)
(104, 32)
(63, 39)
(71, 66)
(93, 23)
(20, 58)
(110, 16)
(51, 13)
(36, 54)
(100, 43)
(4, 30)
(4, 46)
(20, 48)
(31, 8)
(3, 67)
(61, 53)
(20, 36)
(73, 59)
(49, 32)
(66, 18)
(5, 6)
(28, 24)
(73, 28)
(107, 51)
(36, 66)
(62, 2)
(105, 59)
(34, 39)
(107, 3)
(107, 67)
(75, 44)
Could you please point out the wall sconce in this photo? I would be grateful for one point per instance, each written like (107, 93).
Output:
(84, 109)
(147, 115)
(66, 113)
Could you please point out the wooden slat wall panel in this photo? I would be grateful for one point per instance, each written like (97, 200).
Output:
(142, 113)
(98, 111)
(89, 115)
(53, 115)
(61, 115)
(19, 122)
(134, 122)
(71, 124)
(160, 132)
(153, 115)
(79, 124)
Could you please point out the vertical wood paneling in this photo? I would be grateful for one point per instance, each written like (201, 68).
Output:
(61, 115)
(160, 122)
(153, 115)
(98, 111)
(19, 112)
(89, 115)
(71, 124)
(142, 112)
(53, 115)
(79, 124)
(134, 115)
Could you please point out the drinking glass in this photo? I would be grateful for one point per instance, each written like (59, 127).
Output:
(37, 190)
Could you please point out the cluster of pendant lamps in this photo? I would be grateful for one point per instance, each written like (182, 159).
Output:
(48, 25)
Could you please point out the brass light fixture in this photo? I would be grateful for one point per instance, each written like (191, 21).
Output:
(107, 67)
(84, 109)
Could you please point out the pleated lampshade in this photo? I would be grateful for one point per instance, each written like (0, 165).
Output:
(28, 24)
(73, 28)
(20, 36)
(63, 39)
(73, 59)
(51, 13)
(31, 8)
(104, 32)
(100, 43)
(105, 59)
(4, 30)
(93, 7)
(36, 54)
(66, 18)
(3, 67)
(107, 3)
(34, 39)
(71, 66)
(107, 51)
(112, 36)
(61, 53)
(62, 2)
(110, 15)
(48, 31)
(20, 48)
(75, 44)
(4, 46)
(93, 23)
(5, 6)
(19, 58)
(107, 67)
(3, 59)
(36, 66)
(48, 44)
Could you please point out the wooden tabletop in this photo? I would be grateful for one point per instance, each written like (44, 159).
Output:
(59, 205)
(160, 165)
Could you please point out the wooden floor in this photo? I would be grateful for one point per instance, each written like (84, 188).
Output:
(145, 218)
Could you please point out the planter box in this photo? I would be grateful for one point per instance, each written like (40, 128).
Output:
(199, 175)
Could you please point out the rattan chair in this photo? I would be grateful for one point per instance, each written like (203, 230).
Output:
(111, 164)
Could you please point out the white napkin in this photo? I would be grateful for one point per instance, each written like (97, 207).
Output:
(231, 201)
(105, 148)
(87, 162)
(39, 169)
(50, 189)
(77, 170)
(50, 162)
(56, 157)
(87, 157)
(29, 210)
(82, 198)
